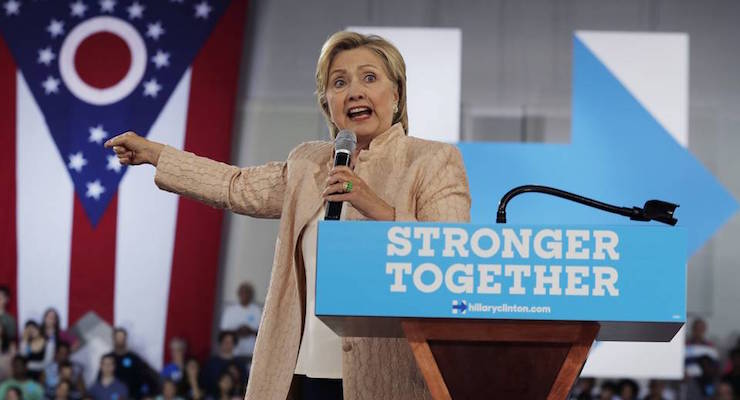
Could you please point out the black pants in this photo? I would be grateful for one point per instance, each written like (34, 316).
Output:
(319, 389)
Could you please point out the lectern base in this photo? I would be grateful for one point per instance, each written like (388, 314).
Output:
(463, 359)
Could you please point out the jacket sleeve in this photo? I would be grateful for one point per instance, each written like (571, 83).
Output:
(255, 191)
(443, 193)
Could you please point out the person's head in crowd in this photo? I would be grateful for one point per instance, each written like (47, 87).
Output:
(66, 371)
(18, 367)
(655, 389)
(178, 349)
(245, 293)
(169, 389)
(4, 298)
(366, 71)
(225, 385)
(14, 393)
(628, 389)
(698, 331)
(107, 366)
(62, 390)
(50, 323)
(608, 390)
(725, 391)
(120, 340)
(62, 352)
(226, 343)
(192, 368)
(735, 360)
(31, 330)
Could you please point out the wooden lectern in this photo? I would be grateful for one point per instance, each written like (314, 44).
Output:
(474, 339)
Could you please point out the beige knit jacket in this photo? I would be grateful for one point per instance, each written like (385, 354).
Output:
(423, 180)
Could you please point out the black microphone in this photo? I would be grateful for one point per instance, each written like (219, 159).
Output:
(344, 146)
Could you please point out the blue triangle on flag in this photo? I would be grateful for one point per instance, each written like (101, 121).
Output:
(100, 68)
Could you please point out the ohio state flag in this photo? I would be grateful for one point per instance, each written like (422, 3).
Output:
(80, 232)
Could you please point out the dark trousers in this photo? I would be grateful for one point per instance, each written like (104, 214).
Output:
(319, 389)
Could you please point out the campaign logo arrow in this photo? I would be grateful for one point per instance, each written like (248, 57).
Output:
(619, 153)
(460, 306)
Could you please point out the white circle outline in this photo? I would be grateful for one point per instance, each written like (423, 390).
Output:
(125, 86)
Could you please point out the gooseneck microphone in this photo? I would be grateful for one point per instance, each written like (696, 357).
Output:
(344, 146)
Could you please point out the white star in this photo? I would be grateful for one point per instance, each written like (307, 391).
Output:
(161, 59)
(202, 10)
(97, 134)
(12, 7)
(113, 164)
(107, 5)
(56, 28)
(155, 30)
(46, 56)
(151, 88)
(51, 85)
(78, 9)
(77, 161)
(94, 189)
(135, 10)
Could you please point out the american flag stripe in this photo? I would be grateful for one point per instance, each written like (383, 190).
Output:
(8, 253)
(209, 127)
(92, 264)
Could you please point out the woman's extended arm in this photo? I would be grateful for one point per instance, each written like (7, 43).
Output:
(255, 191)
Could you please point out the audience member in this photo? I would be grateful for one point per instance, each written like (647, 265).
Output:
(30, 390)
(14, 393)
(698, 333)
(140, 379)
(33, 347)
(7, 352)
(174, 370)
(656, 388)
(244, 319)
(582, 389)
(63, 369)
(62, 391)
(169, 391)
(52, 331)
(191, 385)
(226, 387)
(108, 387)
(220, 362)
(628, 389)
(608, 391)
(724, 391)
(7, 320)
(733, 376)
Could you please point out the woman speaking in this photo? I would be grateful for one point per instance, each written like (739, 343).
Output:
(361, 87)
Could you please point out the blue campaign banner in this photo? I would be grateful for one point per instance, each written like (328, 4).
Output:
(451, 270)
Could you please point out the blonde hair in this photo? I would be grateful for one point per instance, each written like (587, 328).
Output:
(395, 68)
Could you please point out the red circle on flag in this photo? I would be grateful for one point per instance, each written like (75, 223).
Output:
(102, 59)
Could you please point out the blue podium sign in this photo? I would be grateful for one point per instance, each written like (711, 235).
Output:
(632, 280)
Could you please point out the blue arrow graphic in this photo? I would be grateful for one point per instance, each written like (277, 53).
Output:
(462, 306)
(619, 154)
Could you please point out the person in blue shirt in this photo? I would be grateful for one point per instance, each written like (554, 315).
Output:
(108, 387)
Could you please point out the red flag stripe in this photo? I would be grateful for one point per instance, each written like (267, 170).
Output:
(93, 263)
(215, 74)
(8, 247)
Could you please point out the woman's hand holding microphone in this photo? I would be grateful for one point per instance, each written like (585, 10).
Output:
(343, 185)
(133, 149)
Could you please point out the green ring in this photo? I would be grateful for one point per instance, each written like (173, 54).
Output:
(347, 186)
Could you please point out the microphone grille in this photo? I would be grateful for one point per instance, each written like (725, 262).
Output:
(345, 140)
